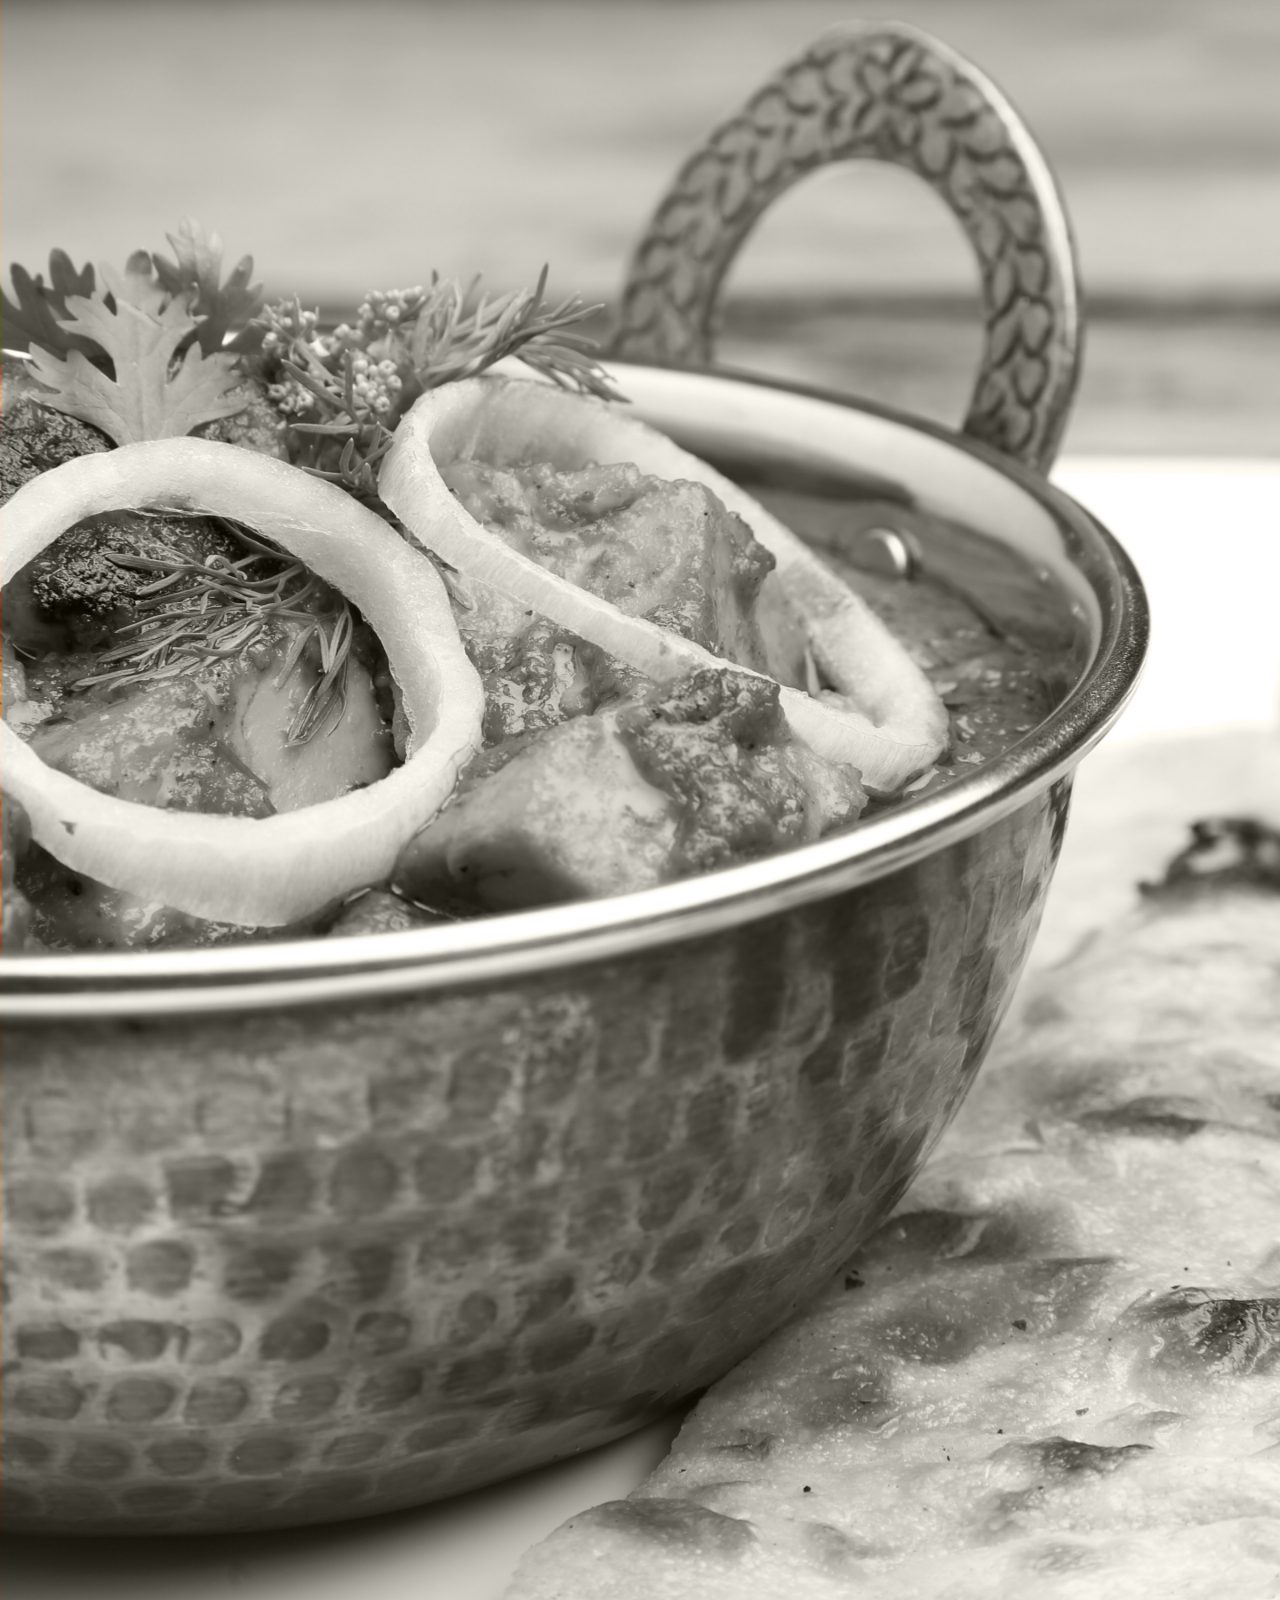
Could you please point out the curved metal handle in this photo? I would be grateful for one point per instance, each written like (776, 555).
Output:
(892, 93)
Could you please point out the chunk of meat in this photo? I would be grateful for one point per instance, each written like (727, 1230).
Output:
(353, 747)
(157, 744)
(75, 596)
(535, 673)
(719, 745)
(673, 781)
(258, 425)
(34, 438)
(549, 818)
(666, 551)
(215, 740)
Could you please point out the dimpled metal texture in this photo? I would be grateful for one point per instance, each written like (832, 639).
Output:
(885, 92)
(270, 1269)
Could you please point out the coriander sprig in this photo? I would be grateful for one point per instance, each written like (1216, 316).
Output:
(344, 392)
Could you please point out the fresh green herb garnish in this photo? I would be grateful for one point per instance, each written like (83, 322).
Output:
(224, 312)
(160, 395)
(196, 613)
(138, 354)
(39, 312)
(345, 391)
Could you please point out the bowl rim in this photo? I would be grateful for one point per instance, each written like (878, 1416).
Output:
(513, 945)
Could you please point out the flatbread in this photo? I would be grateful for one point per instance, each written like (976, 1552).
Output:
(1056, 1371)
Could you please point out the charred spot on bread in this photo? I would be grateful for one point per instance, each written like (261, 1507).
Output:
(1213, 1334)
(1068, 1458)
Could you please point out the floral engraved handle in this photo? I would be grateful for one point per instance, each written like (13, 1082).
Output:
(892, 93)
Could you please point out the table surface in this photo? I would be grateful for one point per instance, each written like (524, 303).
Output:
(1206, 537)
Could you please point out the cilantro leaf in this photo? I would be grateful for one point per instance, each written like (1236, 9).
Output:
(156, 392)
(37, 312)
(220, 308)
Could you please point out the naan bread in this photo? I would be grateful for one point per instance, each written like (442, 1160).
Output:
(1056, 1371)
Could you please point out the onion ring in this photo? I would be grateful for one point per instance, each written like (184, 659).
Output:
(269, 871)
(884, 718)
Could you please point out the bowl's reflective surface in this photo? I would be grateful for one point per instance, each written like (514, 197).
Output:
(305, 1232)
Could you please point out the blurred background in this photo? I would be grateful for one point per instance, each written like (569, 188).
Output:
(355, 145)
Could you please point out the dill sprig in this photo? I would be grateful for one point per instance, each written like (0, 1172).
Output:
(458, 333)
(344, 392)
(197, 613)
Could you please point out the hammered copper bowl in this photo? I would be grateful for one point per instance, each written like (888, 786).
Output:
(301, 1232)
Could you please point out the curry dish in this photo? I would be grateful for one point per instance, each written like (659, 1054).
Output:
(626, 670)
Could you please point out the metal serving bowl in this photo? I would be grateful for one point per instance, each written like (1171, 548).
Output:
(299, 1232)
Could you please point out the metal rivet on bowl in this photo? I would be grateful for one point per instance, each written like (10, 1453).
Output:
(883, 551)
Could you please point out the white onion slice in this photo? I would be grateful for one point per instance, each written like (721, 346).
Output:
(886, 718)
(266, 871)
